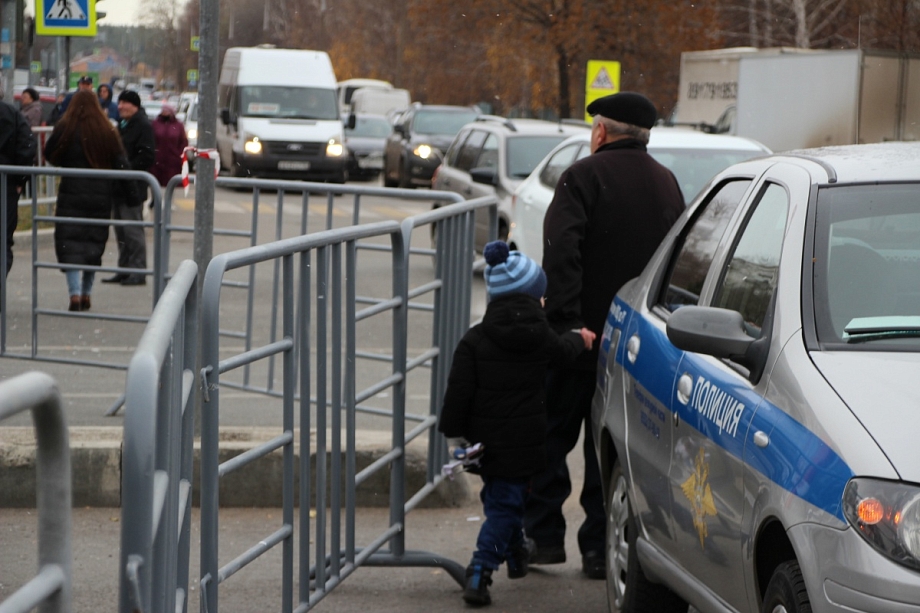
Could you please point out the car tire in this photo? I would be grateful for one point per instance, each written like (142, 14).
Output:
(786, 592)
(628, 589)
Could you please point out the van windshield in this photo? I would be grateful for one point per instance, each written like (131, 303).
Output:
(288, 102)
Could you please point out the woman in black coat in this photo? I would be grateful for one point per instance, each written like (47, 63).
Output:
(83, 138)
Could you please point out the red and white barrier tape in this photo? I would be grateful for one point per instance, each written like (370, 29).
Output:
(210, 154)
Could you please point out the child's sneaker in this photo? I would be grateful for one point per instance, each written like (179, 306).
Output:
(476, 589)
(519, 561)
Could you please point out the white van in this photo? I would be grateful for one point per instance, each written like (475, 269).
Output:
(347, 88)
(380, 101)
(279, 115)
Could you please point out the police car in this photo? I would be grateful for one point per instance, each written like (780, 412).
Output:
(755, 418)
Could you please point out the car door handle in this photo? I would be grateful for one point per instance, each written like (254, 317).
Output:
(632, 348)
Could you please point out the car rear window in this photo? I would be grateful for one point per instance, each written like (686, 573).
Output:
(694, 168)
(525, 152)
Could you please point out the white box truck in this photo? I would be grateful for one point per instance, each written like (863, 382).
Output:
(347, 88)
(379, 101)
(279, 115)
(796, 98)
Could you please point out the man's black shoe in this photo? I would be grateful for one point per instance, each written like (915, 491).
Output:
(545, 554)
(116, 279)
(519, 562)
(134, 280)
(594, 565)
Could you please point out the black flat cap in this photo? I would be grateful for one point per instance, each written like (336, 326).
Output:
(626, 107)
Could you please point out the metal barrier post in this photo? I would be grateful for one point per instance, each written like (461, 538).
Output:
(38, 392)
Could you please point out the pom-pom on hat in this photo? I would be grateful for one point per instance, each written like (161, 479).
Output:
(625, 107)
(511, 272)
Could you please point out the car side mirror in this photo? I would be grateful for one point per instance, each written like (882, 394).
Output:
(709, 330)
(721, 333)
(486, 176)
(226, 117)
(352, 121)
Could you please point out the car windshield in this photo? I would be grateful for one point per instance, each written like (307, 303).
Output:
(288, 102)
(695, 167)
(370, 127)
(441, 122)
(867, 266)
(525, 152)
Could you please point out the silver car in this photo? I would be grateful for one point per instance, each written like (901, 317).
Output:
(755, 417)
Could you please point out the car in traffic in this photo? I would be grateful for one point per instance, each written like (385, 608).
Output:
(693, 156)
(421, 135)
(365, 143)
(492, 156)
(755, 416)
(189, 118)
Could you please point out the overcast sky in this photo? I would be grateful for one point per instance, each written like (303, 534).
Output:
(118, 12)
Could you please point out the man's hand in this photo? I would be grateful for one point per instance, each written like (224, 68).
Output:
(588, 337)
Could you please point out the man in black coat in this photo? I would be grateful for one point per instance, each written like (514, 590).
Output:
(137, 138)
(17, 147)
(609, 213)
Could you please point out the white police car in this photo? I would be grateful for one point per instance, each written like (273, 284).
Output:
(756, 419)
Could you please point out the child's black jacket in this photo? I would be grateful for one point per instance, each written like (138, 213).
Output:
(495, 393)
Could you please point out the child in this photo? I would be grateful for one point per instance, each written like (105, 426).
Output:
(495, 397)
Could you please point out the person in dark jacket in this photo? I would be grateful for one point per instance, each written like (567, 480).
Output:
(495, 397)
(17, 147)
(137, 139)
(104, 92)
(609, 213)
(83, 138)
(171, 139)
(31, 107)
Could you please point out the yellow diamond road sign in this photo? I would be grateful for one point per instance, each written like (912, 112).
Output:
(602, 78)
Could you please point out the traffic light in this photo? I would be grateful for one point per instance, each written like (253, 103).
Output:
(100, 10)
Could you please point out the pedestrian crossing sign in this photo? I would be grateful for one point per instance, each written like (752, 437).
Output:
(602, 78)
(65, 17)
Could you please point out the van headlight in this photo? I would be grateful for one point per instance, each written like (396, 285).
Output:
(192, 134)
(335, 148)
(253, 146)
(887, 515)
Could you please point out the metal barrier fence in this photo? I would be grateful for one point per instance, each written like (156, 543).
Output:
(51, 587)
(157, 458)
(36, 311)
(326, 290)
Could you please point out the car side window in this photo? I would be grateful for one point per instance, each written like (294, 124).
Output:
(752, 272)
(470, 150)
(561, 160)
(488, 156)
(455, 147)
(697, 245)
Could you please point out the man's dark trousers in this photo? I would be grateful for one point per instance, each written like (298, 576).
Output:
(132, 241)
(568, 402)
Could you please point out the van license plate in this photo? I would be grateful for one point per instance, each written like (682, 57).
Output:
(288, 165)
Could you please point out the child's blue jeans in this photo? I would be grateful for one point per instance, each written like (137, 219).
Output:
(503, 529)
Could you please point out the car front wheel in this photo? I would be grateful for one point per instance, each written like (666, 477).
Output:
(786, 591)
(628, 589)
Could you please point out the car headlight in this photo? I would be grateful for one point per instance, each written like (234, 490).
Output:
(334, 148)
(425, 152)
(253, 146)
(192, 134)
(887, 515)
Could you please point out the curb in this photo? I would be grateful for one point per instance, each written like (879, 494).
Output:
(95, 456)
(23, 238)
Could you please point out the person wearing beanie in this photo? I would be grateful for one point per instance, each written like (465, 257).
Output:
(137, 137)
(495, 397)
(609, 213)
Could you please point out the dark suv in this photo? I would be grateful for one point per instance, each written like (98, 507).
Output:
(419, 139)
